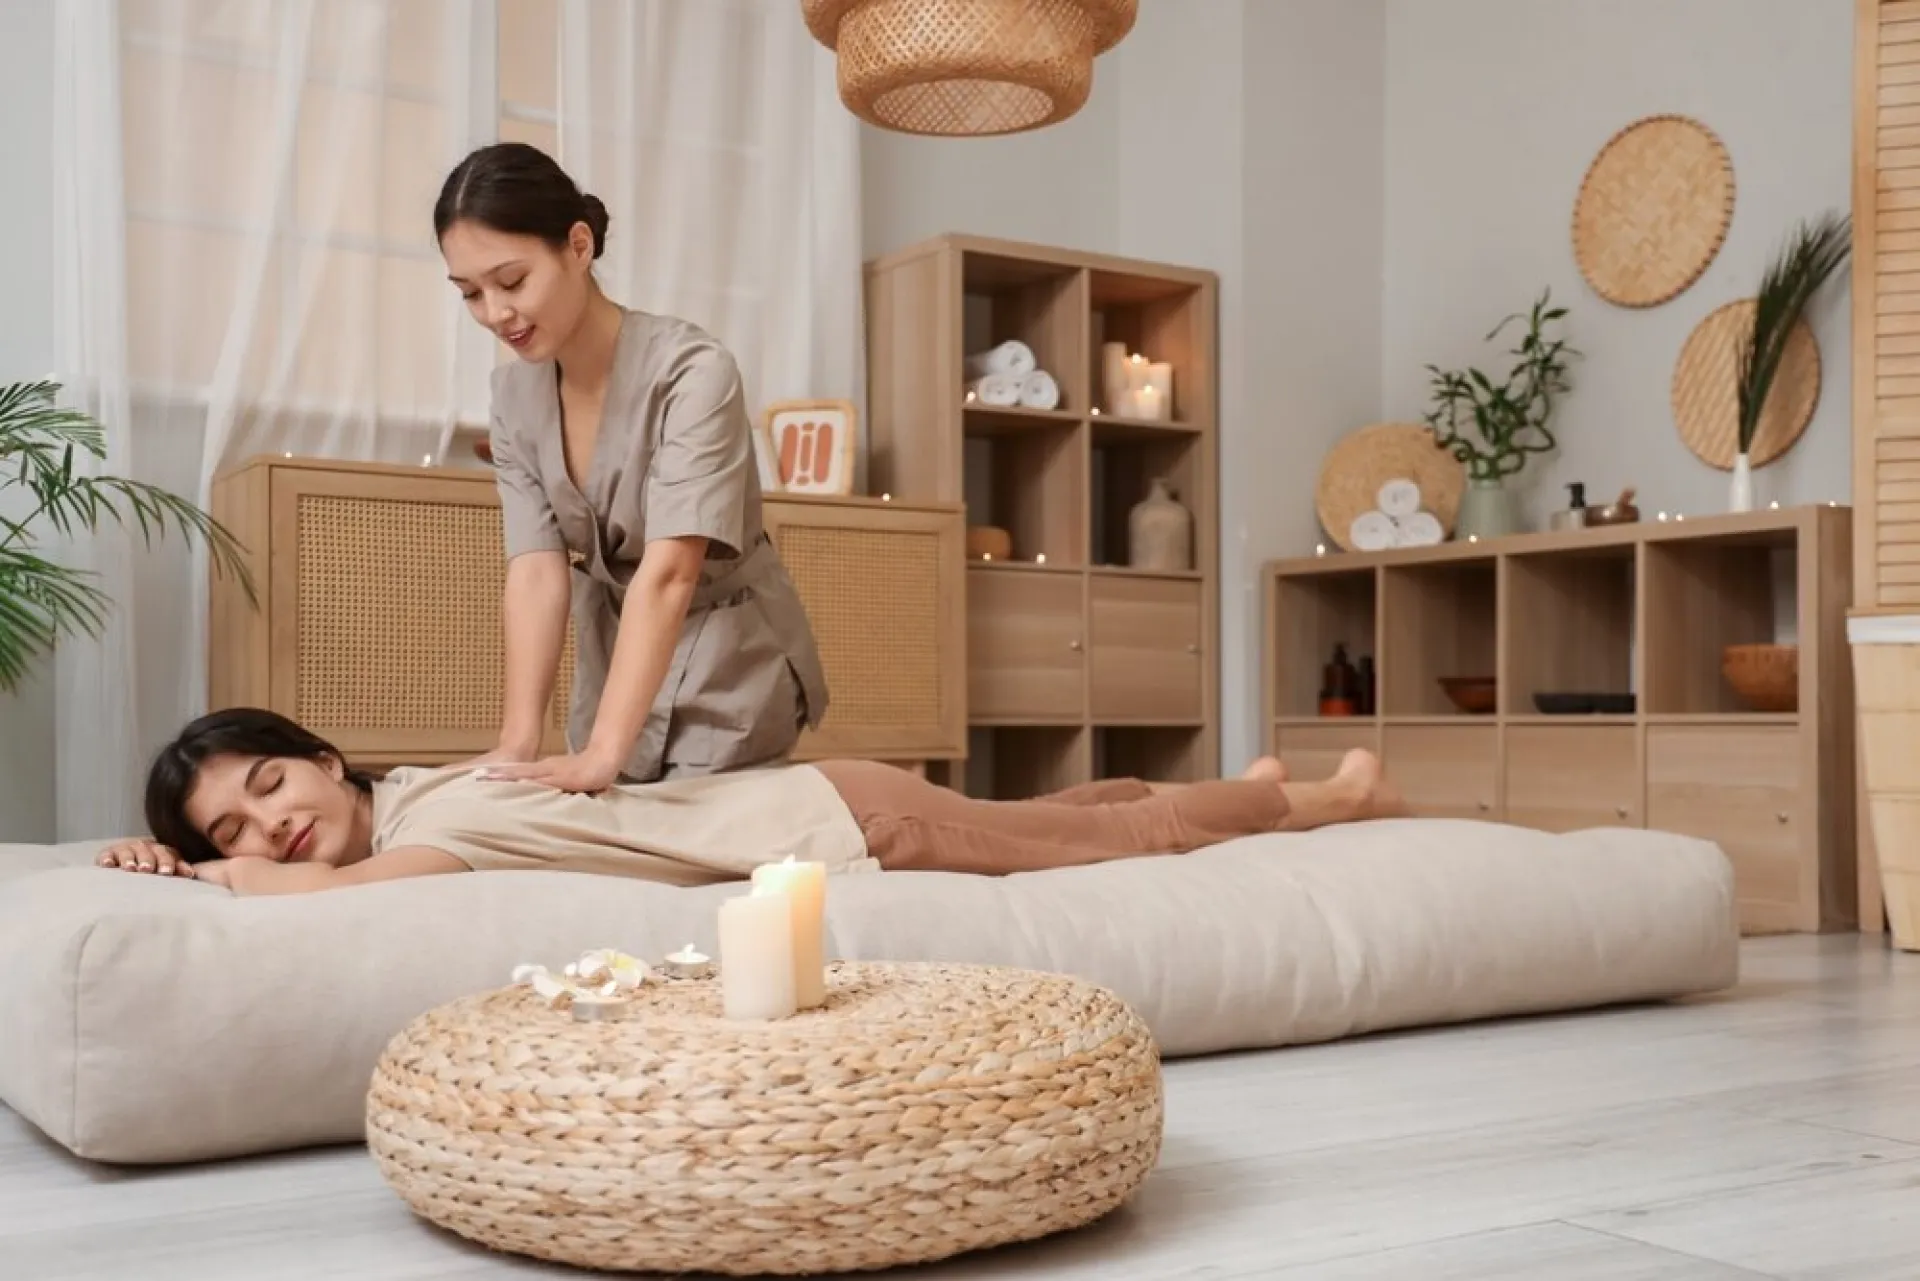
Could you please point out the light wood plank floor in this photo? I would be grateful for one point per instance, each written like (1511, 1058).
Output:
(1769, 1132)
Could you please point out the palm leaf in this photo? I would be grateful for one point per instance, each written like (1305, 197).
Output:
(1811, 255)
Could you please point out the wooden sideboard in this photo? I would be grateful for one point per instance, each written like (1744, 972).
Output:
(1644, 609)
(378, 624)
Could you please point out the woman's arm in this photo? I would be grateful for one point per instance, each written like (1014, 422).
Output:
(651, 620)
(535, 604)
(249, 877)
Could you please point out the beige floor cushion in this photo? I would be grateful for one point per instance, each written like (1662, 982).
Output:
(148, 1020)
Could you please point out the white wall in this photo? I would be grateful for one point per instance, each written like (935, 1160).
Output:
(26, 351)
(1495, 108)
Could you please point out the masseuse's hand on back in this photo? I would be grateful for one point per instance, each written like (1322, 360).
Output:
(142, 855)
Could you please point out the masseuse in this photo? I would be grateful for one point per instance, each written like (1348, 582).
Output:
(621, 444)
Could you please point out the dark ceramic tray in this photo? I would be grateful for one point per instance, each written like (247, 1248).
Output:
(1584, 704)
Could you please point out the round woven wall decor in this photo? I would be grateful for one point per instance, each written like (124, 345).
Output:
(969, 68)
(1706, 393)
(1363, 460)
(1653, 210)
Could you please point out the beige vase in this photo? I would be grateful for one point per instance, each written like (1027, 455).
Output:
(1160, 532)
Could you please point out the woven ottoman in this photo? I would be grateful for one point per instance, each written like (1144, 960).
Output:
(925, 1110)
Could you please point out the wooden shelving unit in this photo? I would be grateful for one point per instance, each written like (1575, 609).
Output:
(1642, 610)
(1078, 667)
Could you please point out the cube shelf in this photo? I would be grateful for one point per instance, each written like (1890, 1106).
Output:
(1605, 648)
(1082, 664)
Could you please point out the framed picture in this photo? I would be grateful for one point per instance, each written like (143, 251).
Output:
(813, 445)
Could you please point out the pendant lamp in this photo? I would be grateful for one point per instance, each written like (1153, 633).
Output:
(967, 68)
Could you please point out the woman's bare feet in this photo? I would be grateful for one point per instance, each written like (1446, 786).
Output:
(1268, 769)
(1363, 780)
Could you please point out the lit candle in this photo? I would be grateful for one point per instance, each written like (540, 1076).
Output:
(1147, 403)
(756, 955)
(1040, 559)
(688, 963)
(1160, 382)
(804, 886)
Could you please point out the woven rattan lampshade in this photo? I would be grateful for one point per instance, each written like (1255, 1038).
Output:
(967, 67)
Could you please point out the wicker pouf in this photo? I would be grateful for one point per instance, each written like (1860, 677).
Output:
(924, 1111)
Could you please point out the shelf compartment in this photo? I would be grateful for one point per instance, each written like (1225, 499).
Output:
(1445, 771)
(1121, 470)
(1041, 304)
(1438, 619)
(1144, 650)
(1565, 778)
(1311, 613)
(1570, 627)
(1018, 763)
(1157, 753)
(1162, 320)
(1007, 420)
(1026, 646)
(1703, 595)
(1028, 482)
(1313, 752)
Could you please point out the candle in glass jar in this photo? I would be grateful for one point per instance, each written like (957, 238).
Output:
(805, 887)
(756, 956)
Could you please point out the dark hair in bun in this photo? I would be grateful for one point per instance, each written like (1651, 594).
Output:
(520, 190)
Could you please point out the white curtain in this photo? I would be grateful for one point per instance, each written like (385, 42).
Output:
(713, 132)
(246, 260)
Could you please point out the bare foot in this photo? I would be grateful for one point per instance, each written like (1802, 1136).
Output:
(1268, 769)
(1365, 780)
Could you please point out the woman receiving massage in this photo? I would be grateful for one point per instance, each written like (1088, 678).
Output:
(254, 802)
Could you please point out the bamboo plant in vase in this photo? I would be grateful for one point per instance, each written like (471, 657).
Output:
(42, 600)
(1511, 419)
(1811, 255)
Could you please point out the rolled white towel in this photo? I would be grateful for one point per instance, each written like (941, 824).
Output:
(1422, 529)
(1000, 391)
(1373, 531)
(1038, 390)
(1399, 497)
(1010, 357)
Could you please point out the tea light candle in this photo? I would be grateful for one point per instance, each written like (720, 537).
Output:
(687, 963)
(804, 886)
(756, 954)
(591, 1007)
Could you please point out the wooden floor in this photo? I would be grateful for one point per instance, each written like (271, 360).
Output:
(1770, 1132)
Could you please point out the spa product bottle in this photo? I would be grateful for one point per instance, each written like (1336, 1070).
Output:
(1366, 692)
(1339, 685)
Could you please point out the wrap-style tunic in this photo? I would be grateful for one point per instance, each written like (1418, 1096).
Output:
(674, 458)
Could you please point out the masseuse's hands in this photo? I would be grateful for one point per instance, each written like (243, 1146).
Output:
(505, 754)
(587, 771)
(143, 855)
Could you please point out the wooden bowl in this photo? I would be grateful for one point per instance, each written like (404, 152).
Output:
(1766, 677)
(987, 542)
(1474, 695)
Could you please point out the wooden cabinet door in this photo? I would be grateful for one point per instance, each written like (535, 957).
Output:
(1145, 660)
(1026, 642)
(1740, 787)
(1445, 771)
(1565, 778)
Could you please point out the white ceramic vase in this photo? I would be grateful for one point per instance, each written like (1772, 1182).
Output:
(1740, 499)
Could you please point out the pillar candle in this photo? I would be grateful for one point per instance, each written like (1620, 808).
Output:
(756, 956)
(1136, 371)
(1160, 379)
(805, 886)
(1113, 375)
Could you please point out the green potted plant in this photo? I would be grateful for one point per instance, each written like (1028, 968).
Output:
(42, 600)
(1811, 254)
(1511, 418)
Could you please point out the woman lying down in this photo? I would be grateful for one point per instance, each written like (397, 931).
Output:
(252, 801)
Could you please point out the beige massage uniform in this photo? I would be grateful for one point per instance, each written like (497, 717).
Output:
(689, 831)
(674, 458)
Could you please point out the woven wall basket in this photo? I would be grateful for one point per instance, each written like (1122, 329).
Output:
(1653, 210)
(967, 67)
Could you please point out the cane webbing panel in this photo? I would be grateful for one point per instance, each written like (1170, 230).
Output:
(873, 597)
(399, 622)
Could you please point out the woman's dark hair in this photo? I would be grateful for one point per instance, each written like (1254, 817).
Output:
(522, 191)
(236, 731)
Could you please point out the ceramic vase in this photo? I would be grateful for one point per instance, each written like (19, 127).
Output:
(1487, 510)
(1740, 499)
(1160, 532)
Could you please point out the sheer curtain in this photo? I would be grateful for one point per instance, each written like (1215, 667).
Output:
(247, 265)
(713, 132)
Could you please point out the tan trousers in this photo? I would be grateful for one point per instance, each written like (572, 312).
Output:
(913, 825)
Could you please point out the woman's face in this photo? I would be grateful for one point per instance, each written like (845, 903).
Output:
(281, 808)
(530, 295)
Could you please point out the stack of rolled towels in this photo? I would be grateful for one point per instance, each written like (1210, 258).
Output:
(1007, 376)
(1399, 520)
